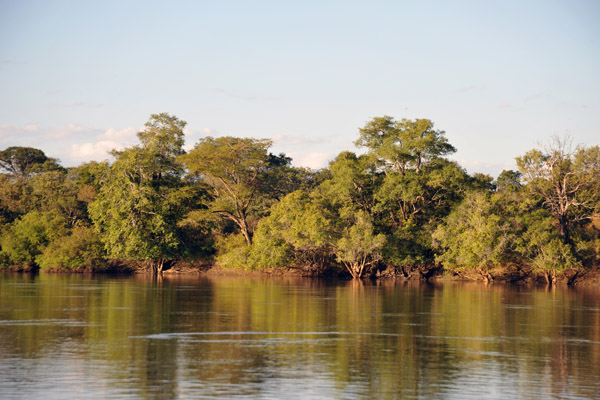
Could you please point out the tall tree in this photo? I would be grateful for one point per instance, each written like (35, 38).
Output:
(141, 199)
(236, 170)
(22, 161)
(566, 179)
(405, 144)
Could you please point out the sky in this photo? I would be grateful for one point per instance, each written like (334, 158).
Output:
(79, 78)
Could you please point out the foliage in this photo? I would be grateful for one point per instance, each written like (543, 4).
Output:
(410, 207)
(25, 239)
(399, 204)
(234, 169)
(508, 181)
(358, 246)
(81, 249)
(477, 235)
(233, 252)
(495, 230)
(142, 197)
(295, 233)
(15, 198)
(21, 162)
(405, 144)
(544, 249)
(566, 180)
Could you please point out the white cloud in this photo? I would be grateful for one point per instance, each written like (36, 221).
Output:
(98, 148)
(31, 128)
(466, 89)
(67, 131)
(124, 136)
(314, 159)
(310, 151)
(72, 144)
(97, 151)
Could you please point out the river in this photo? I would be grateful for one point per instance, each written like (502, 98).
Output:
(72, 336)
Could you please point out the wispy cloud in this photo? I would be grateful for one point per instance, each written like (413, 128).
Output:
(5, 62)
(577, 106)
(505, 106)
(533, 97)
(96, 151)
(126, 136)
(306, 151)
(70, 130)
(71, 143)
(466, 89)
(238, 96)
(31, 128)
(192, 136)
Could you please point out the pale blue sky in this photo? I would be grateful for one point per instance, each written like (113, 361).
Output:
(80, 77)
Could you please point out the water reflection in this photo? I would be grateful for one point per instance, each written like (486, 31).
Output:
(75, 336)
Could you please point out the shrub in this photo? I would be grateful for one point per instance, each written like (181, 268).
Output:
(81, 249)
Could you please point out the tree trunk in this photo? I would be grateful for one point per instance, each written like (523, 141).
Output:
(157, 267)
(563, 228)
(354, 270)
(247, 236)
(487, 277)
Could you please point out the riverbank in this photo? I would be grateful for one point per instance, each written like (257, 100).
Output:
(433, 273)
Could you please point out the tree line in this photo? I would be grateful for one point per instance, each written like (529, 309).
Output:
(400, 204)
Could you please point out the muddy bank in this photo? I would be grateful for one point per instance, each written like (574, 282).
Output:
(429, 273)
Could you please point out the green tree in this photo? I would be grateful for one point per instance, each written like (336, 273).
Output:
(357, 246)
(508, 181)
(78, 250)
(478, 235)
(237, 172)
(296, 232)
(541, 247)
(495, 230)
(567, 180)
(411, 205)
(25, 239)
(405, 144)
(57, 191)
(22, 161)
(333, 222)
(15, 198)
(142, 197)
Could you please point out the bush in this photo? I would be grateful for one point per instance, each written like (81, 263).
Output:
(27, 237)
(82, 249)
(233, 252)
(477, 235)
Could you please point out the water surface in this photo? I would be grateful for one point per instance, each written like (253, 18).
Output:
(70, 336)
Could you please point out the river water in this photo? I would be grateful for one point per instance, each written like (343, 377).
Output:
(70, 336)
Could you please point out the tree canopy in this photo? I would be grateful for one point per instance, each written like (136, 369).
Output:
(399, 206)
(236, 171)
(566, 180)
(22, 161)
(404, 144)
(142, 195)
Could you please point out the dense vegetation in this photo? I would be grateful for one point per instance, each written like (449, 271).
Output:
(399, 205)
